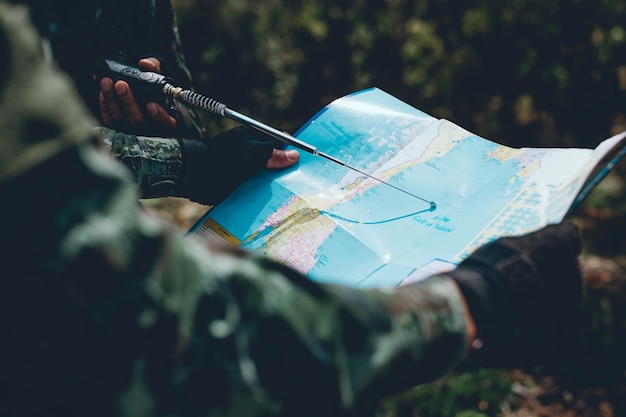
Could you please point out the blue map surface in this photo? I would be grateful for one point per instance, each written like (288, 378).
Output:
(423, 195)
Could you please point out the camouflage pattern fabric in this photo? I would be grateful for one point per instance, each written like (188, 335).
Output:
(203, 170)
(104, 311)
(156, 162)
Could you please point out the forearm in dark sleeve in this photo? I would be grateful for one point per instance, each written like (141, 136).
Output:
(203, 170)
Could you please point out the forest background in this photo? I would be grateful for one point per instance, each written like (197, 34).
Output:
(518, 72)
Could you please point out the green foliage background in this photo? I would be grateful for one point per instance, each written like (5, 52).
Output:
(520, 72)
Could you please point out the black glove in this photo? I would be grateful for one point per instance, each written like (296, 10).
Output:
(524, 294)
(214, 167)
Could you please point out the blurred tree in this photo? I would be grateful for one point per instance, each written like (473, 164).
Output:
(522, 72)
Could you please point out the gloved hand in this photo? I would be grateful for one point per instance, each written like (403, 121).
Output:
(214, 167)
(524, 294)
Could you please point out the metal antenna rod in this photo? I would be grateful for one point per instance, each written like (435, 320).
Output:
(205, 103)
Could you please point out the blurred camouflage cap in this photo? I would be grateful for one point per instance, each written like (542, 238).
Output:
(41, 113)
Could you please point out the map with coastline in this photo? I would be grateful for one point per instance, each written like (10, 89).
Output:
(335, 224)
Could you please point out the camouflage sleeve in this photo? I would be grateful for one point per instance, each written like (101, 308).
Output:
(144, 319)
(156, 163)
(204, 170)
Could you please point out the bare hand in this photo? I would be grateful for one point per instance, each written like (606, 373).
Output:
(120, 110)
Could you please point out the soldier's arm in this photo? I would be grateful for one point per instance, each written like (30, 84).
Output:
(203, 170)
(145, 317)
(254, 335)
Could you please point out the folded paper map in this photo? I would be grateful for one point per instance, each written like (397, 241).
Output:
(435, 192)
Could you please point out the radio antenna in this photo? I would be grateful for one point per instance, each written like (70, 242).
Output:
(152, 81)
(214, 106)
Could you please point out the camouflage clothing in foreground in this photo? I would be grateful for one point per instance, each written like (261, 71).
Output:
(157, 162)
(205, 170)
(106, 312)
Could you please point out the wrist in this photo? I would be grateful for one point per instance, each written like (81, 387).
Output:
(473, 342)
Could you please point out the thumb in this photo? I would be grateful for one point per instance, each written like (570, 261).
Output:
(282, 159)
